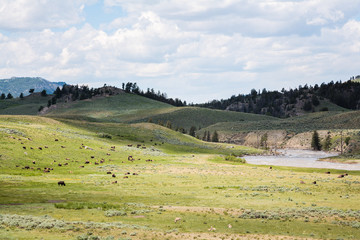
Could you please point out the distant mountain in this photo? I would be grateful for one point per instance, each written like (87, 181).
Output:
(18, 85)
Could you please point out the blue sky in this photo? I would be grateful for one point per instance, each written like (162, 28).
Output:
(194, 50)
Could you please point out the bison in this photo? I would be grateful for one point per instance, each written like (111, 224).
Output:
(113, 175)
(61, 183)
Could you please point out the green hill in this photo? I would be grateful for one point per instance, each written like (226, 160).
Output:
(18, 85)
(131, 108)
(123, 107)
(29, 105)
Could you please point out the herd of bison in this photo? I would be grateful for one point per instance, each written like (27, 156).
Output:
(95, 162)
(98, 162)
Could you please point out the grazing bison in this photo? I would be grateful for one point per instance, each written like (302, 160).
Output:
(96, 163)
(59, 165)
(24, 147)
(61, 183)
(341, 176)
(314, 182)
(113, 175)
(135, 174)
(87, 162)
(327, 172)
(27, 167)
(108, 173)
(63, 147)
(56, 140)
(270, 167)
(40, 148)
(92, 156)
(108, 154)
(302, 182)
(126, 177)
(33, 162)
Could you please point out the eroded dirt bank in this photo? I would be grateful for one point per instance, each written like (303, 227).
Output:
(284, 139)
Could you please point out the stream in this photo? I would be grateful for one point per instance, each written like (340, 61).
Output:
(300, 158)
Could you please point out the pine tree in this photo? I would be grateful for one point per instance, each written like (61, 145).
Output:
(9, 96)
(31, 90)
(315, 141)
(215, 137)
(21, 96)
(327, 143)
(208, 136)
(2, 96)
(204, 137)
(263, 140)
(43, 93)
(192, 131)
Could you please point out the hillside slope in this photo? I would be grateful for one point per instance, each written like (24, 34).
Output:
(18, 85)
(123, 107)
(29, 105)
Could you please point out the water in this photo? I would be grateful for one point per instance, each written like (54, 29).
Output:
(300, 158)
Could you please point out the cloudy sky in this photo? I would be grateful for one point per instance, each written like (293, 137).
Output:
(197, 50)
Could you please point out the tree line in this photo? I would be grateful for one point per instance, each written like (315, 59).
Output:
(152, 94)
(279, 104)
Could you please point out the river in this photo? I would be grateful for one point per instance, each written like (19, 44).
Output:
(300, 158)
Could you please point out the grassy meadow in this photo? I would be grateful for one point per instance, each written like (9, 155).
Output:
(175, 187)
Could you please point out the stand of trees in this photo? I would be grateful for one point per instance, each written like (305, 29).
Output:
(278, 104)
(150, 93)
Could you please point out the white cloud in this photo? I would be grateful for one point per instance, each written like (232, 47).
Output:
(195, 50)
(39, 14)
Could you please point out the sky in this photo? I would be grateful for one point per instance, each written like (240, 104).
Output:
(193, 50)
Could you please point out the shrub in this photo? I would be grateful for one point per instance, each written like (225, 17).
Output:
(105, 135)
(232, 158)
(112, 213)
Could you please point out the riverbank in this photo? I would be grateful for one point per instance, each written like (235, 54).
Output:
(340, 159)
(303, 159)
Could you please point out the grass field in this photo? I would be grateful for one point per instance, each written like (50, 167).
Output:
(176, 177)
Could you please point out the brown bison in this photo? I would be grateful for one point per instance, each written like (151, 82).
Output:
(61, 183)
